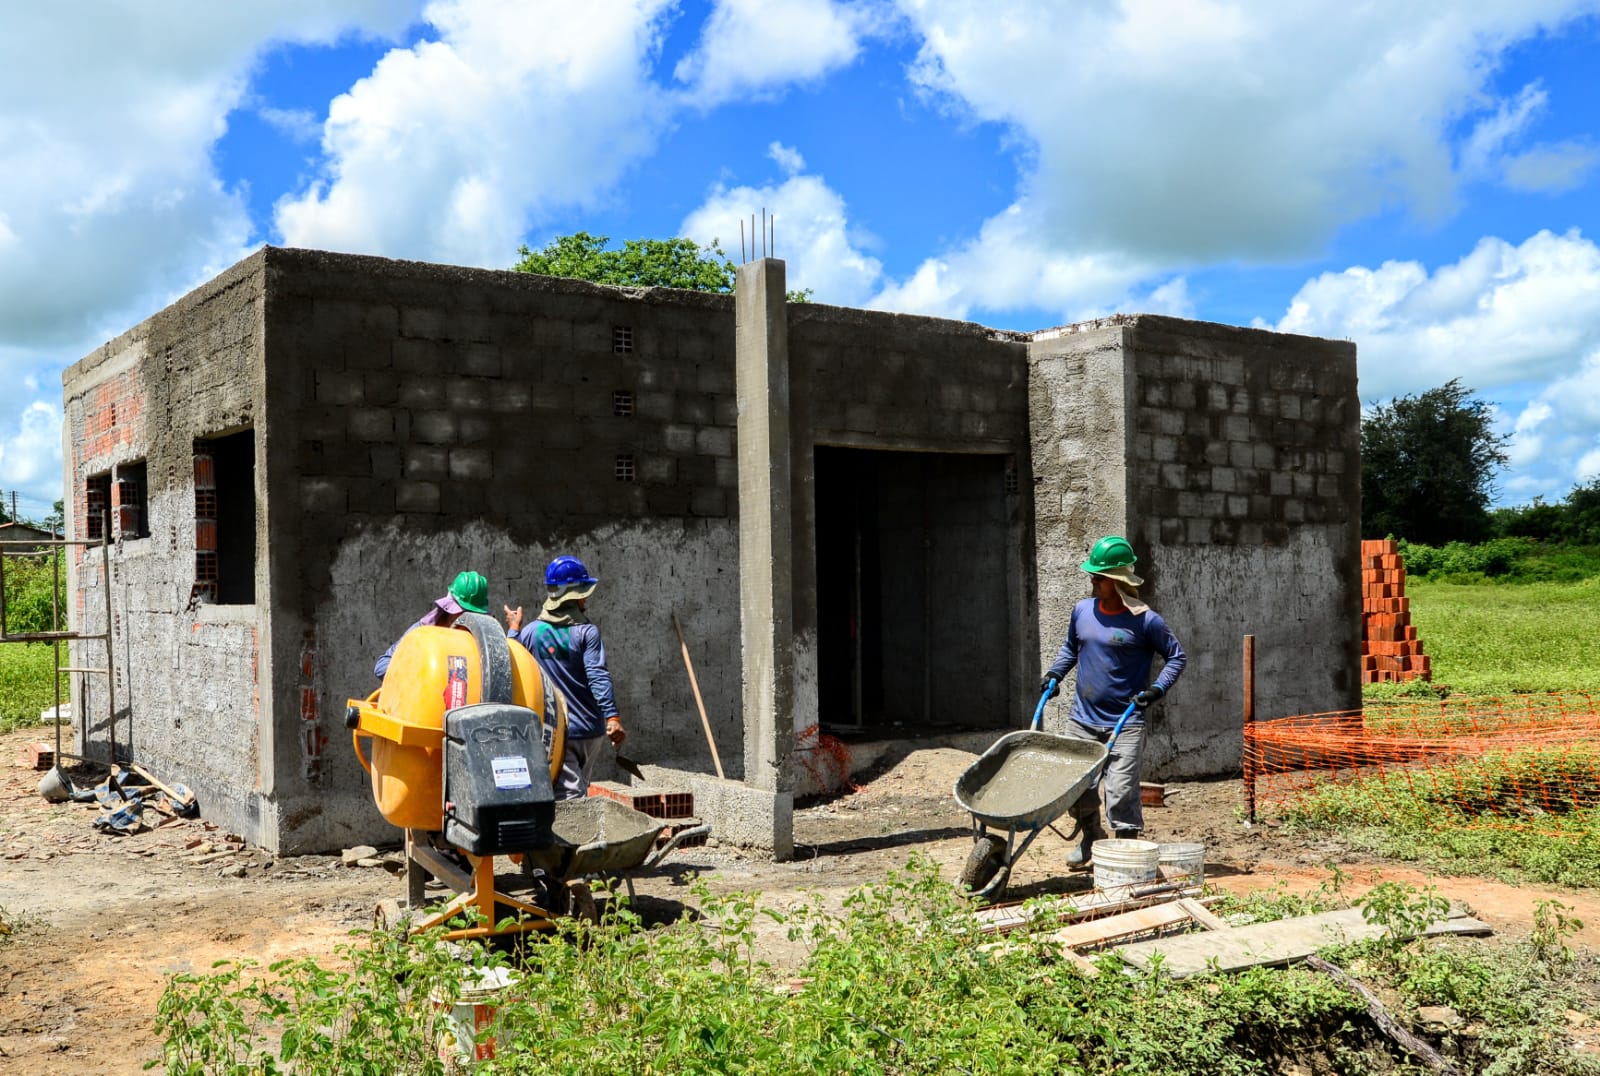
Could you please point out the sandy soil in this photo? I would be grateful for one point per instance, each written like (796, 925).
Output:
(98, 922)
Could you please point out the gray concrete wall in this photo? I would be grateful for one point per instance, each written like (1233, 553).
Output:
(1230, 458)
(190, 696)
(428, 419)
(1244, 491)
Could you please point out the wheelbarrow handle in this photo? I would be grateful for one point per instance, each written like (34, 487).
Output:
(1123, 720)
(1038, 711)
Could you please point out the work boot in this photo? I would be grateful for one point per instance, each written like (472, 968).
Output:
(1091, 829)
(1129, 834)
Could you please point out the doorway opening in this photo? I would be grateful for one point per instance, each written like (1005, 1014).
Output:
(913, 631)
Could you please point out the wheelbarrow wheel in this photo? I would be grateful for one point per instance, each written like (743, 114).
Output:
(580, 901)
(988, 855)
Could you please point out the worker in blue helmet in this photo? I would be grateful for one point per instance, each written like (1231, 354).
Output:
(468, 594)
(1113, 640)
(569, 651)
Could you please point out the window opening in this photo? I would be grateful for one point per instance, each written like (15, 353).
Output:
(96, 503)
(622, 403)
(622, 339)
(225, 519)
(1013, 483)
(132, 503)
(624, 469)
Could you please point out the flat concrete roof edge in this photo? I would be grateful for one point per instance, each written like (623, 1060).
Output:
(249, 266)
(799, 313)
(1190, 326)
(370, 265)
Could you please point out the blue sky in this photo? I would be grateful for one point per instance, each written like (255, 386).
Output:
(1419, 178)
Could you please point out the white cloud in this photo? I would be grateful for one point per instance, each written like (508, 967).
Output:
(756, 47)
(1504, 319)
(450, 149)
(299, 124)
(1555, 168)
(787, 158)
(811, 233)
(1182, 131)
(30, 451)
(110, 205)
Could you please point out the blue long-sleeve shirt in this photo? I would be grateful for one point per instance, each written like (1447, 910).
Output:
(1113, 653)
(575, 658)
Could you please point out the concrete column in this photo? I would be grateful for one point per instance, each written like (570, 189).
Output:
(766, 583)
(1078, 428)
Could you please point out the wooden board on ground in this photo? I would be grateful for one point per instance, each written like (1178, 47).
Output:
(1272, 943)
(1001, 918)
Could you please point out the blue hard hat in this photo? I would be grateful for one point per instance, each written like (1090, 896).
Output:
(566, 572)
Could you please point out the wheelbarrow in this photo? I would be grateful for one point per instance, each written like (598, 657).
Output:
(1020, 786)
(593, 836)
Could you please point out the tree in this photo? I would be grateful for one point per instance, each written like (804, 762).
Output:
(1427, 467)
(640, 263)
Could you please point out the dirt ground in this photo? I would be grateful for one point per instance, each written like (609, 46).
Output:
(98, 922)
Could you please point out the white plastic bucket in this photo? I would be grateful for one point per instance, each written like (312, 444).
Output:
(473, 1010)
(1120, 863)
(1183, 863)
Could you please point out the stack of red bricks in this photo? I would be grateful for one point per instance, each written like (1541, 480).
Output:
(1390, 649)
(674, 807)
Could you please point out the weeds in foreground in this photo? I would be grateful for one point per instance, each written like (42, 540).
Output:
(898, 981)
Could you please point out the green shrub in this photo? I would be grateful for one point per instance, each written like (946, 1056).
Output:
(28, 580)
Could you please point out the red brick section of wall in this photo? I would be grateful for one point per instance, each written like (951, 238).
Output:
(1390, 649)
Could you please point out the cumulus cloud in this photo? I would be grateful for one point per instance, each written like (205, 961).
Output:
(811, 232)
(1191, 130)
(30, 450)
(109, 196)
(110, 205)
(756, 47)
(1555, 168)
(450, 149)
(1505, 319)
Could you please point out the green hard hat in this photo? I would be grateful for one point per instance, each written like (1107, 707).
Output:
(1109, 553)
(471, 592)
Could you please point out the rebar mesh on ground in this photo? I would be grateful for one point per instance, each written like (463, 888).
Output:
(1525, 762)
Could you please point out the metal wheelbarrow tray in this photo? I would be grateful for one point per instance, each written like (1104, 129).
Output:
(1024, 782)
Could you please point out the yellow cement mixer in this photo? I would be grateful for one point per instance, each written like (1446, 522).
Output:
(467, 737)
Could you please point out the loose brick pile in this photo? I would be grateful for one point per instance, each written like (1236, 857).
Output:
(669, 805)
(1390, 649)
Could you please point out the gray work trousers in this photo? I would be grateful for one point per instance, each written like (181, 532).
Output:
(1120, 781)
(576, 765)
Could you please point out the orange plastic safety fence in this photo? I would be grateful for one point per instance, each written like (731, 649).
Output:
(1522, 762)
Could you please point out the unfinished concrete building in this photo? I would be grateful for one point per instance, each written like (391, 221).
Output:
(868, 524)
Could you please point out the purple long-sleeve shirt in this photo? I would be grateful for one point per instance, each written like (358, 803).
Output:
(1113, 653)
(575, 658)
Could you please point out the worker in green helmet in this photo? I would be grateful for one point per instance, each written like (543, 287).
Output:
(1113, 640)
(468, 594)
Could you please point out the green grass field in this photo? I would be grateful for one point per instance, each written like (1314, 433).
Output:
(1507, 637)
(25, 685)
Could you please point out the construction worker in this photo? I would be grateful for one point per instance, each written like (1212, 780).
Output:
(469, 593)
(569, 651)
(1112, 640)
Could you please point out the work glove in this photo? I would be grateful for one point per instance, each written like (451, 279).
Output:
(1049, 687)
(615, 732)
(1149, 695)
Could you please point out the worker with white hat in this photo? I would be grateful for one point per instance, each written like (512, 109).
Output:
(1112, 640)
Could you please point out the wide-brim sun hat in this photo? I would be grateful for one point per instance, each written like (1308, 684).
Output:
(1123, 574)
(571, 592)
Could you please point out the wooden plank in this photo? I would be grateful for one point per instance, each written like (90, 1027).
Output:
(1001, 918)
(1112, 927)
(1202, 915)
(1282, 942)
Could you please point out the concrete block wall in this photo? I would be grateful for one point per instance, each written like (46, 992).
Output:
(1243, 502)
(190, 702)
(427, 419)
